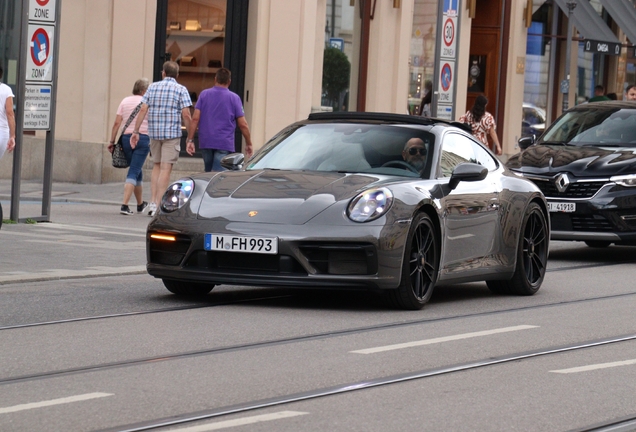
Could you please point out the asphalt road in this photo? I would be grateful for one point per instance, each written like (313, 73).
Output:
(88, 346)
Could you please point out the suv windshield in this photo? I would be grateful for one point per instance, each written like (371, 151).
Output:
(611, 127)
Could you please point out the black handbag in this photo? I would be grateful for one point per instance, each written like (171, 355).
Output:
(119, 157)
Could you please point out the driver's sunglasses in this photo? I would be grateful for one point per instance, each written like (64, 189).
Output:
(413, 151)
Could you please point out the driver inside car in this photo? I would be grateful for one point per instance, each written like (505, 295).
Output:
(414, 153)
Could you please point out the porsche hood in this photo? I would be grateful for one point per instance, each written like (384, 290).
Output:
(277, 197)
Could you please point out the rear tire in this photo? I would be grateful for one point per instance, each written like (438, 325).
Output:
(419, 267)
(532, 256)
(597, 243)
(187, 289)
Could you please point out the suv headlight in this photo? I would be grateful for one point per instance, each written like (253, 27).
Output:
(370, 205)
(625, 180)
(177, 195)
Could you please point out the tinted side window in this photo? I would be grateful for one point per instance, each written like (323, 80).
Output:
(457, 149)
(484, 158)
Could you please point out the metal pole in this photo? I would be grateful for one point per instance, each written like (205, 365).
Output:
(567, 82)
(16, 177)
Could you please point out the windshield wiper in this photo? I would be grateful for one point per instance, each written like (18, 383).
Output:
(562, 143)
(601, 144)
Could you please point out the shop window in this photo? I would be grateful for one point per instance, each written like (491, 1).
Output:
(538, 52)
(422, 55)
(341, 56)
(195, 39)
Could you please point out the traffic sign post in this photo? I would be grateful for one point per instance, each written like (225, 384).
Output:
(448, 28)
(37, 63)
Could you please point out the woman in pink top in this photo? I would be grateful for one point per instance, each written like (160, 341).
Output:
(482, 123)
(136, 154)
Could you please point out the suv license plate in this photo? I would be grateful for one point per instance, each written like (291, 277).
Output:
(564, 207)
(230, 243)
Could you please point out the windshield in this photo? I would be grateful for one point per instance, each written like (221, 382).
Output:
(348, 147)
(604, 127)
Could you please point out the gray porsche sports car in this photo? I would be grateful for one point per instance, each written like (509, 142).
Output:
(382, 202)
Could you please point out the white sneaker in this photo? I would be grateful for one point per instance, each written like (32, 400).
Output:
(152, 209)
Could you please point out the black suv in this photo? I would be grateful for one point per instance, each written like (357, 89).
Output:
(585, 164)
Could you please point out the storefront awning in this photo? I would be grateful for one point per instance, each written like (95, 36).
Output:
(624, 13)
(590, 25)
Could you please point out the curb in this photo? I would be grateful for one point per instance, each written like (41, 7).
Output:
(71, 274)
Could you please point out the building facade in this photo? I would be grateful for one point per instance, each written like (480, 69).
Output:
(291, 57)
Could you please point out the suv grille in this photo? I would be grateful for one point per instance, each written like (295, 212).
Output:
(579, 190)
(587, 223)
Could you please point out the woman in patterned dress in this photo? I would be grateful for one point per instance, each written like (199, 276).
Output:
(482, 124)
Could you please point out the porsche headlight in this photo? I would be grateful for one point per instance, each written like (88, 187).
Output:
(625, 180)
(177, 195)
(370, 205)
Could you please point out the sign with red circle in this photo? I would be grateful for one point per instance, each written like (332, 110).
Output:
(446, 77)
(40, 47)
(42, 10)
(39, 59)
(449, 32)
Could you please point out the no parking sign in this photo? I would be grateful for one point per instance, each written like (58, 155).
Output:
(40, 56)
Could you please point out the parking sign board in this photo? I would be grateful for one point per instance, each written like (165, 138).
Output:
(39, 59)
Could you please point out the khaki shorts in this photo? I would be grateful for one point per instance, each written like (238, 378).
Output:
(166, 151)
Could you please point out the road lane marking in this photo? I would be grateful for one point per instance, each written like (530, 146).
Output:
(52, 402)
(442, 339)
(595, 367)
(242, 421)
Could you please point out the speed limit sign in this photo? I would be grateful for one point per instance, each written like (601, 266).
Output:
(450, 41)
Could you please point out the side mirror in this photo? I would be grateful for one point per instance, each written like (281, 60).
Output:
(527, 141)
(467, 172)
(233, 161)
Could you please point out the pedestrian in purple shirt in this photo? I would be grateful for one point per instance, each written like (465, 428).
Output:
(217, 114)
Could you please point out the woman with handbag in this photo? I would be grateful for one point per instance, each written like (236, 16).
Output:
(135, 155)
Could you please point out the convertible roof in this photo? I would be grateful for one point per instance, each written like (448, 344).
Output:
(386, 117)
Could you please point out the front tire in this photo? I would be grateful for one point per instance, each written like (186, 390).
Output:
(532, 256)
(187, 289)
(419, 267)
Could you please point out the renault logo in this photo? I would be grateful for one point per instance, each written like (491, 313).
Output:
(252, 213)
(562, 181)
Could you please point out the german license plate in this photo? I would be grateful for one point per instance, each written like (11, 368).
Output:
(230, 243)
(564, 207)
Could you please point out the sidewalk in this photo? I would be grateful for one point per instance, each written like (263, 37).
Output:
(87, 237)
(31, 190)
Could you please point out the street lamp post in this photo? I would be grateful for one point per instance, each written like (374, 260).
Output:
(566, 83)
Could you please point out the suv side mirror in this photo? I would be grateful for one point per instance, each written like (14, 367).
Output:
(527, 141)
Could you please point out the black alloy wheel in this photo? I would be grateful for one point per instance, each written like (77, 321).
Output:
(187, 289)
(419, 267)
(532, 256)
